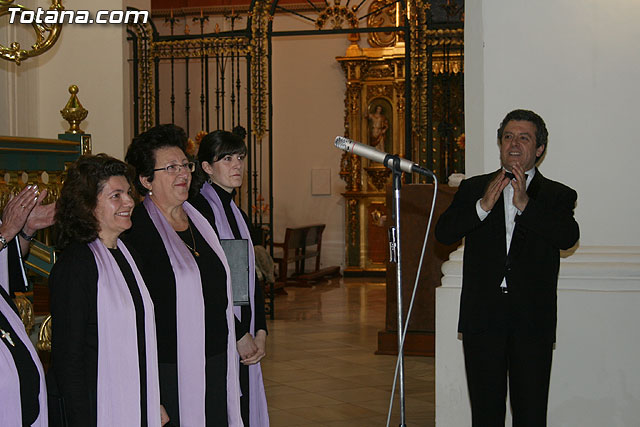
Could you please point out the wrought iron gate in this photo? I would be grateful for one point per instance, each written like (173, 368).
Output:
(222, 79)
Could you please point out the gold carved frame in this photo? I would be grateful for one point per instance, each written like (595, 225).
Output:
(46, 34)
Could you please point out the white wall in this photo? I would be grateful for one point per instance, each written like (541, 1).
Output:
(474, 89)
(93, 57)
(577, 65)
(308, 99)
(16, 109)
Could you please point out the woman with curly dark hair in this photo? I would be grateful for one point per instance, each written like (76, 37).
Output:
(104, 354)
(188, 277)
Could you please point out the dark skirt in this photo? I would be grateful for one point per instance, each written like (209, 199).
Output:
(215, 395)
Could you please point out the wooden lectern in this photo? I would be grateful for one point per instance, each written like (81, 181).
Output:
(415, 205)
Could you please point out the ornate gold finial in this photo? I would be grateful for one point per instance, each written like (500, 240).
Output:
(74, 112)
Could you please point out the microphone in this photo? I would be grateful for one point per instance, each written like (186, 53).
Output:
(378, 156)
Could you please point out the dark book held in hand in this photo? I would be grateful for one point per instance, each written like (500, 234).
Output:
(237, 253)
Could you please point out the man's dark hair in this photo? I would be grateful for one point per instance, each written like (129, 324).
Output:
(85, 180)
(142, 151)
(542, 134)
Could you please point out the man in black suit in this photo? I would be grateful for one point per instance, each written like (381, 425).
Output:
(514, 221)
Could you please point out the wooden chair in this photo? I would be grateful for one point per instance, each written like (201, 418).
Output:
(300, 244)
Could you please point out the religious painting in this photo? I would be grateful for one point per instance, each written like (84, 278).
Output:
(379, 123)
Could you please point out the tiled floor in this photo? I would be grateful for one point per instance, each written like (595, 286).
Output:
(321, 369)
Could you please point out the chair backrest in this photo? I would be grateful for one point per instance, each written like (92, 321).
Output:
(314, 234)
(295, 237)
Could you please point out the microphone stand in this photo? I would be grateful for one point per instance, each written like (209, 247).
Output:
(393, 162)
(395, 256)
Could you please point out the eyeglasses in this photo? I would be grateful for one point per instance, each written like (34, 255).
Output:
(176, 169)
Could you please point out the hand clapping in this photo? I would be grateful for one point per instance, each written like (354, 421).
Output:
(519, 184)
(17, 210)
(26, 212)
(493, 191)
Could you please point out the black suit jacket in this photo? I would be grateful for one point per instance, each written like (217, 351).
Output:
(531, 267)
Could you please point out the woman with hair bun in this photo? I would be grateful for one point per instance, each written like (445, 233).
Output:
(188, 276)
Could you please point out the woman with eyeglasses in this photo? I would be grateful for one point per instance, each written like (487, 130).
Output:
(221, 156)
(187, 274)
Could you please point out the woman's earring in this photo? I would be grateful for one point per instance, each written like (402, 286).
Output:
(151, 192)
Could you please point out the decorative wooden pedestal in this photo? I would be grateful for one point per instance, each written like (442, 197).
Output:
(415, 204)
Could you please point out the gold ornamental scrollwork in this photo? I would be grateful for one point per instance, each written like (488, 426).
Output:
(25, 310)
(418, 30)
(350, 165)
(353, 220)
(259, 65)
(377, 218)
(345, 169)
(146, 94)
(353, 97)
(44, 336)
(398, 88)
(379, 90)
(382, 13)
(378, 176)
(201, 47)
(379, 71)
(352, 104)
(336, 15)
(12, 182)
(423, 38)
(46, 34)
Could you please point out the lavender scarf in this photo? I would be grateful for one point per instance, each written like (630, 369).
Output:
(4, 265)
(118, 396)
(258, 414)
(190, 321)
(10, 413)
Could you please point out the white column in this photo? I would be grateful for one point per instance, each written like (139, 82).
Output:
(576, 64)
(595, 380)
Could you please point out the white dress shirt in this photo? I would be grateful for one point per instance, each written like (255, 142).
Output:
(510, 212)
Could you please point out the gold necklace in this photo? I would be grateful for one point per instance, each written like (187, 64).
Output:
(192, 249)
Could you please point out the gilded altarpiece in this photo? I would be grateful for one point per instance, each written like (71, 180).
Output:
(375, 115)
